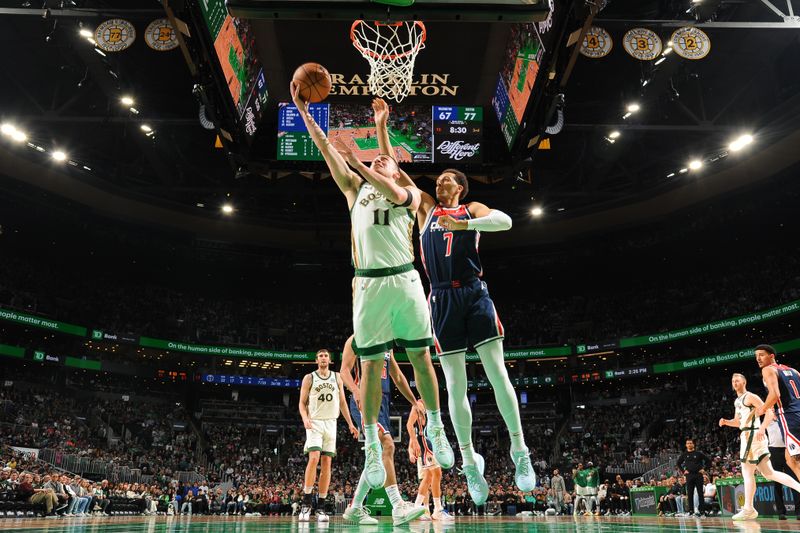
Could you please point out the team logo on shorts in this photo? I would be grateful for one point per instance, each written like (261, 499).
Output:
(597, 43)
(691, 43)
(642, 44)
(115, 35)
(160, 35)
(792, 446)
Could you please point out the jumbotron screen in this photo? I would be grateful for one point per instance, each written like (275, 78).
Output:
(419, 134)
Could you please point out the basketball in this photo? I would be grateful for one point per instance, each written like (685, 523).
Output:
(314, 81)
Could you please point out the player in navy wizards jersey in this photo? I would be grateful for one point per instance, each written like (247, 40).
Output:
(402, 512)
(462, 312)
(783, 384)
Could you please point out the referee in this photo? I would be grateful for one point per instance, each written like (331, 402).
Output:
(777, 451)
(693, 463)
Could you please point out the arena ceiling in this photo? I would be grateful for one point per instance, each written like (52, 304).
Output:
(66, 96)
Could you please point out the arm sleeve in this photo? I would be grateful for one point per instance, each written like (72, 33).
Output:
(494, 221)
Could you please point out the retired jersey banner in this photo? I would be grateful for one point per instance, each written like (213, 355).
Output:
(597, 43)
(160, 35)
(642, 44)
(114, 35)
(691, 43)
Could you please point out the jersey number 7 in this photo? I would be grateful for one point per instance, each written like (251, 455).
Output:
(448, 236)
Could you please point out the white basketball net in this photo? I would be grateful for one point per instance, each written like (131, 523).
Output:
(390, 49)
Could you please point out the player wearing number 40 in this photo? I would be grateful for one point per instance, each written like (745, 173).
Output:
(462, 312)
(321, 401)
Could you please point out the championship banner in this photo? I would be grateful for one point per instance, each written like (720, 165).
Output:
(712, 327)
(642, 44)
(160, 36)
(39, 322)
(115, 35)
(228, 351)
(597, 43)
(691, 43)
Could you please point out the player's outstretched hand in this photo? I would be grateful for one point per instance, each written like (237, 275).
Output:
(294, 90)
(354, 432)
(448, 222)
(421, 413)
(381, 109)
(345, 151)
(721, 422)
(307, 424)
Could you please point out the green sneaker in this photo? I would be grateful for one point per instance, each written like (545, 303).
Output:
(441, 447)
(524, 476)
(359, 516)
(373, 466)
(476, 483)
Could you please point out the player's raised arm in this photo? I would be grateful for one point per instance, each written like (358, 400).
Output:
(304, 390)
(484, 219)
(345, 409)
(414, 449)
(771, 381)
(403, 196)
(345, 178)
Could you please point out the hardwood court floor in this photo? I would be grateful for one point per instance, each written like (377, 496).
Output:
(206, 524)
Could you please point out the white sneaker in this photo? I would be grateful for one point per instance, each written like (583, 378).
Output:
(440, 515)
(426, 516)
(745, 514)
(305, 514)
(373, 466)
(322, 516)
(359, 516)
(406, 512)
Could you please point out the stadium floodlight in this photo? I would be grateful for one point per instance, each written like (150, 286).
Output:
(145, 128)
(684, 170)
(58, 155)
(614, 134)
(18, 135)
(695, 164)
(85, 33)
(7, 129)
(633, 107)
(227, 209)
(126, 100)
(537, 211)
(740, 143)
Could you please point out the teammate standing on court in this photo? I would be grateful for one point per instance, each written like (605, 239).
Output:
(429, 471)
(783, 384)
(463, 313)
(388, 299)
(321, 401)
(402, 511)
(753, 451)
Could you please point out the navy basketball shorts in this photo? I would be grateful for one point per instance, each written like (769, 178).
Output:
(790, 427)
(463, 316)
(384, 423)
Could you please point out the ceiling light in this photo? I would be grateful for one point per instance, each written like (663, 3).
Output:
(85, 33)
(18, 136)
(134, 111)
(614, 134)
(58, 155)
(146, 128)
(227, 209)
(94, 43)
(537, 211)
(7, 129)
(695, 164)
(633, 108)
(660, 61)
(671, 174)
(683, 171)
(100, 52)
(626, 115)
(668, 50)
(126, 100)
(740, 143)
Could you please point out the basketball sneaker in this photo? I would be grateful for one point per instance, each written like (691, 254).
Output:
(322, 516)
(745, 514)
(305, 514)
(524, 476)
(359, 516)
(476, 483)
(441, 447)
(373, 466)
(426, 516)
(406, 512)
(440, 515)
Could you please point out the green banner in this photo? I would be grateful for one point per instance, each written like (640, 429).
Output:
(44, 323)
(703, 329)
(12, 351)
(229, 351)
(86, 364)
(722, 358)
(527, 353)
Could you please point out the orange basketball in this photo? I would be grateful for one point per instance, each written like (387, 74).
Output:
(314, 81)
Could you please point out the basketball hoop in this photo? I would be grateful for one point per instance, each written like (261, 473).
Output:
(390, 48)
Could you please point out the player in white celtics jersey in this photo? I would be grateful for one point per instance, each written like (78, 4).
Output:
(389, 305)
(754, 450)
(321, 401)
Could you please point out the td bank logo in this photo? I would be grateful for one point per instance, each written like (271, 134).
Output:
(581, 348)
(609, 374)
(97, 334)
(38, 356)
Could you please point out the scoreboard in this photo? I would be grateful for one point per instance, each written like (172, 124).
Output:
(294, 141)
(457, 134)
